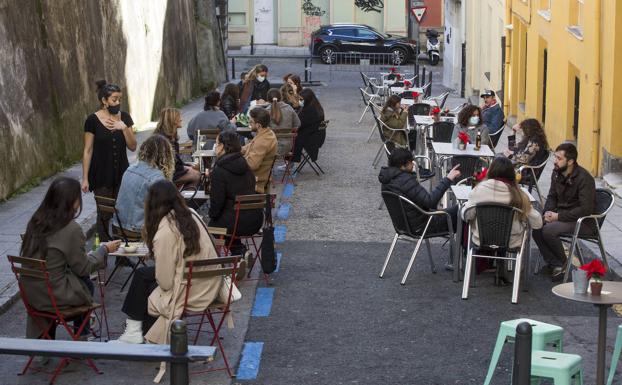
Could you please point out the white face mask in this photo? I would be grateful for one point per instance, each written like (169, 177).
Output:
(474, 120)
(261, 78)
(302, 103)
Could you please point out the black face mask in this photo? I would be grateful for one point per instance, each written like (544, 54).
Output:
(114, 109)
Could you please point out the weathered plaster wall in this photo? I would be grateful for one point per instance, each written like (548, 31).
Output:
(52, 52)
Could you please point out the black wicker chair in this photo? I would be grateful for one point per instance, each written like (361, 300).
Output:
(468, 166)
(494, 226)
(397, 207)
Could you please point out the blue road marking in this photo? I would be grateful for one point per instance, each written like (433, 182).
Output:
(263, 302)
(279, 233)
(288, 191)
(278, 261)
(249, 363)
(283, 211)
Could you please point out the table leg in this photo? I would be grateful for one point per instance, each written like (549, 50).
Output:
(602, 343)
(458, 248)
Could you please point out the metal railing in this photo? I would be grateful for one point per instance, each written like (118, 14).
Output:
(366, 62)
(306, 59)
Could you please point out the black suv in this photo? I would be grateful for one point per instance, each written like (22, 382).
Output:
(359, 38)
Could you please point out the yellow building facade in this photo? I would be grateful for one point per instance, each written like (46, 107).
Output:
(564, 67)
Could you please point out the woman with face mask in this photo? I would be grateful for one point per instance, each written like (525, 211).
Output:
(231, 176)
(255, 87)
(470, 121)
(107, 134)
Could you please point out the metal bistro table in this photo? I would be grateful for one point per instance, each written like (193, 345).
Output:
(461, 193)
(201, 154)
(611, 294)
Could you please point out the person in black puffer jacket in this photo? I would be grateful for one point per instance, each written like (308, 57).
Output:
(229, 100)
(230, 177)
(399, 178)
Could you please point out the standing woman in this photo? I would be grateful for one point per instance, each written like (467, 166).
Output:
(169, 122)
(107, 134)
(255, 87)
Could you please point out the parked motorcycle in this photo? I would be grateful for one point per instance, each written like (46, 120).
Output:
(434, 46)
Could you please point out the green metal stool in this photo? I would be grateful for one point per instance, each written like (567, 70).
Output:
(615, 356)
(563, 368)
(543, 335)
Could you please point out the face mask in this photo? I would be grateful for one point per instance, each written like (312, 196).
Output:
(473, 120)
(261, 78)
(113, 110)
(302, 103)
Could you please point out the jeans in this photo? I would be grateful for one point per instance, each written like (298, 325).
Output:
(136, 300)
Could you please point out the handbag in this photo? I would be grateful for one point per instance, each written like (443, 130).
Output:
(323, 124)
(227, 285)
(268, 255)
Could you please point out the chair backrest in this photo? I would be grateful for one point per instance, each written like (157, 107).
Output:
(206, 135)
(442, 131)
(209, 268)
(419, 109)
(379, 126)
(107, 205)
(604, 202)
(285, 138)
(494, 224)
(33, 268)
(441, 99)
(468, 165)
(365, 82)
(396, 212)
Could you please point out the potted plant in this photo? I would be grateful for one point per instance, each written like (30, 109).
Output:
(407, 84)
(595, 270)
(463, 139)
(479, 176)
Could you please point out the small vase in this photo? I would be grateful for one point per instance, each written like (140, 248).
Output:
(596, 287)
(462, 146)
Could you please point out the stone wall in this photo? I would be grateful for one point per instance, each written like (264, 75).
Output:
(160, 52)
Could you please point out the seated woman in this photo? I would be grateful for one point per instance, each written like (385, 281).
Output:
(155, 162)
(53, 234)
(169, 122)
(395, 116)
(230, 177)
(501, 187)
(174, 234)
(470, 121)
(311, 117)
(230, 100)
(282, 115)
(291, 97)
(532, 149)
(211, 117)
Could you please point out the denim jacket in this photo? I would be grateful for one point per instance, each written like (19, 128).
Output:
(131, 199)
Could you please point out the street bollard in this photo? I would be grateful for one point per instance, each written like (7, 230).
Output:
(423, 76)
(306, 72)
(252, 44)
(522, 355)
(429, 90)
(232, 68)
(179, 347)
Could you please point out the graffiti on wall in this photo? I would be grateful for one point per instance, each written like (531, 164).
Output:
(311, 10)
(370, 5)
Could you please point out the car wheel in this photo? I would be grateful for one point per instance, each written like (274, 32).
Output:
(399, 56)
(327, 55)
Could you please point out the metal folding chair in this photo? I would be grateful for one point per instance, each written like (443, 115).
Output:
(534, 172)
(604, 203)
(36, 269)
(209, 269)
(494, 226)
(398, 207)
(286, 140)
(495, 136)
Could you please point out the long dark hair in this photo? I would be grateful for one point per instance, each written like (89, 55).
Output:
(533, 131)
(231, 90)
(391, 102)
(502, 169)
(311, 101)
(163, 198)
(54, 213)
(212, 100)
(466, 112)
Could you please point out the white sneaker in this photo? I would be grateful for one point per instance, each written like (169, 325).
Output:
(133, 333)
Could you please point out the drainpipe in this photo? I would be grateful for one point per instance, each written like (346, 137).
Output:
(508, 52)
(597, 87)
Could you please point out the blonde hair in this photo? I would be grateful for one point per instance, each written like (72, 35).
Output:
(290, 96)
(167, 123)
(157, 152)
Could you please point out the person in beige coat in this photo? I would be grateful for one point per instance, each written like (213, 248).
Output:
(261, 151)
(501, 187)
(52, 234)
(174, 234)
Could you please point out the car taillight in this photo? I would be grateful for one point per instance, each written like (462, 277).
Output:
(318, 40)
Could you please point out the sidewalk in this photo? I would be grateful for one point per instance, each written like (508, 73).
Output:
(16, 212)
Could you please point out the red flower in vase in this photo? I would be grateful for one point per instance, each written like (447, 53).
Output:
(464, 137)
(393, 70)
(435, 111)
(415, 94)
(407, 84)
(594, 269)
(480, 176)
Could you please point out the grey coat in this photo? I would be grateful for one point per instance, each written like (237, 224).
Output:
(289, 117)
(209, 119)
(67, 261)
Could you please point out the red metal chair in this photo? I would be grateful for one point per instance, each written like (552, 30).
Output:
(252, 202)
(209, 268)
(37, 269)
(286, 139)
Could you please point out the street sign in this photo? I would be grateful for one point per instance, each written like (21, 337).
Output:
(418, 12)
